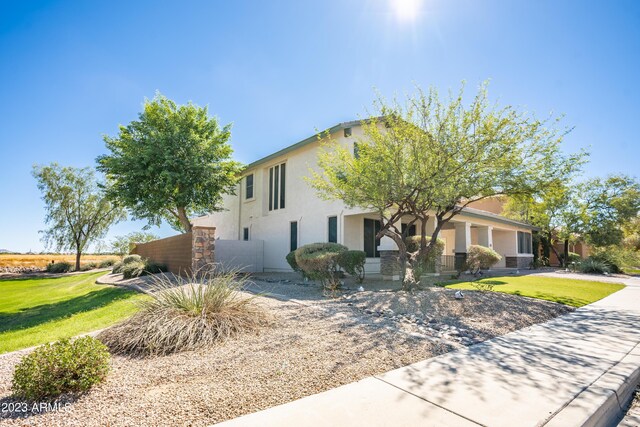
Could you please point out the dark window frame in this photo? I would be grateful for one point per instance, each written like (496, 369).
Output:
(525, 245)
(248, 186)
(369, 237)
(332, 235)
(277, 186)
(245, 234)
(293, 236)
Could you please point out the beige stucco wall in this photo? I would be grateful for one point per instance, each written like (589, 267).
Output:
(303, 205)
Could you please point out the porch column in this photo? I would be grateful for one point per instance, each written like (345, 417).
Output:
(463, 241)
(485, 236)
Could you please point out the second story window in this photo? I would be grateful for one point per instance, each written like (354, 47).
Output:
(277, 177)
(248, 187)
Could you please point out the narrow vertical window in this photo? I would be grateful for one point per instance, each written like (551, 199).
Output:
(333, 229)
(277, 186)
(245, 233)
(271, 189)
(293, 236)
(248, 185)
(282, 185)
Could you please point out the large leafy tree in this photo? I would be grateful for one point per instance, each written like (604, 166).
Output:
(170, 164)
(550, 210)
(604, 206)
(121, 244)
(431, 158)
(78, 211)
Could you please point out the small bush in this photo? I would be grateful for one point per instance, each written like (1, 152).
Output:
(62, 367)
(291, 260)
(131, 258)
(592, 265)
(88, 266)
(134, 266)
(117, 267)
(107, 262)
(59, 267)
(133, 269)
(189, 314)
(353, 263)
(481, 258)
(151, 267)
(319, 261)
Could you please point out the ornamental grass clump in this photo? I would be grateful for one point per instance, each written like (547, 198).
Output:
(187, 314)
(62, 367)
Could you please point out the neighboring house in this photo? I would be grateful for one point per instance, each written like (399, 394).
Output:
(275, 204)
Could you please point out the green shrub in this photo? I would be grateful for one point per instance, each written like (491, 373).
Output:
(131, 258)
(481, 258)
(353, 263)
(319, 261)
(117, 267)
(430, 260)
(141, 268)
(617, 257)
(107, 262)
(187, 314)
(88, 266)
(59, 267)
(62, 367)
(133, 269)
(291, 260)
(151, 267)
(592, 265)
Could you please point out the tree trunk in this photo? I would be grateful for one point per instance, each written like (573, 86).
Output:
(409, 279)
(78, 253)
(184, 219)
(565, 259)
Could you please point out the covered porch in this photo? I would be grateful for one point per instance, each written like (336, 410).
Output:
(511, 239)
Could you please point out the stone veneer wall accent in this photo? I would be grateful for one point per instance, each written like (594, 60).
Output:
(390, 265)
(203, 248)
(518, 261)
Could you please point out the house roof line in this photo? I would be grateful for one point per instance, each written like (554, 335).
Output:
(479, 213)
(308, 140)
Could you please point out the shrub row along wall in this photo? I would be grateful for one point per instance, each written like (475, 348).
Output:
(182, 253)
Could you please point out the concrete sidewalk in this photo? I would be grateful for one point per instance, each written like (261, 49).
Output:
(575, 370)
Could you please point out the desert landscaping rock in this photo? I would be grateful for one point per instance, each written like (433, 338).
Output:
(317, 343)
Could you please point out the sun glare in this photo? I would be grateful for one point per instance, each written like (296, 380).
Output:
(406, 10)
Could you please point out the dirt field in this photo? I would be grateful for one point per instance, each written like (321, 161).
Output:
(40, 261)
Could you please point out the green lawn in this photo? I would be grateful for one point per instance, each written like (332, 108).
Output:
(565, 291)
(35, 311)
(632, 270)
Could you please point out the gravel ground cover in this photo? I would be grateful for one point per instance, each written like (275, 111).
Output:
(316, 344)
(632, 417)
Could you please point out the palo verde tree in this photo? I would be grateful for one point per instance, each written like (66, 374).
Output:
(78, 211)
(602, 207)
(550, 210)
(431, 158)
(171, 163)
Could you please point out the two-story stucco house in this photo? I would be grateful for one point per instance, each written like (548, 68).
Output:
(276, 205)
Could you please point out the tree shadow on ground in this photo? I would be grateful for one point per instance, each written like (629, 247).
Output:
(40, 314)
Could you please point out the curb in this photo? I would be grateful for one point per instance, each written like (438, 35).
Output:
(605, 401)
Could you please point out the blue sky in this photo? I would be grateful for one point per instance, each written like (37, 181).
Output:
(278, 70)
